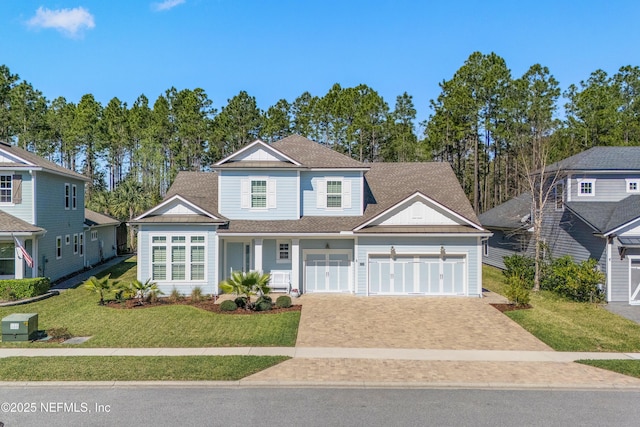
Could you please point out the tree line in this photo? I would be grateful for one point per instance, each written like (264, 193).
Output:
(484, 123)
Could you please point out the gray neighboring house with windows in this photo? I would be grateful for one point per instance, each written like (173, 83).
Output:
(100, 237)
(595, 213)
(318, 221)
(42, 206)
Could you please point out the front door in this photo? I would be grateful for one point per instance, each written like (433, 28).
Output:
(634, 281)
(238, 257)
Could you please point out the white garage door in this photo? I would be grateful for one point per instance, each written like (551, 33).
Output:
(417, 274)
(327, 272)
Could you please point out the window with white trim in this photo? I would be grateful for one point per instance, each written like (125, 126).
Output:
(74, 196)
(67, 196)
(94, 235)
(58, 247)
(7, 259)
(283, 251)
(81, 236)
(258, 194)
(334, 194)
(586, 187)
(6, 188)
(633, 185)
(67, 239)
(75, 244)
(485, 247)
(178, 257)
(559, 196)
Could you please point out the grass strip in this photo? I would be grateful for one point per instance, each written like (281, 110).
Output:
(566, 325)
(134, 368)
(625, 367)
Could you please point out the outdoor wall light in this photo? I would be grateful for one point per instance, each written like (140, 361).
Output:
(327, 246)
(393, 252)
(443, 253)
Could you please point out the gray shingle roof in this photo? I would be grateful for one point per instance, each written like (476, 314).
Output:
(11, 224)
(92, 219)
(35, 160)
(607, 216)
(601, 158)
(313, 155)
(386, 184)
(509, 214)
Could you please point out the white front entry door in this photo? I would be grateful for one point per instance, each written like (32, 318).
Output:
(417, 274)
(327, 271)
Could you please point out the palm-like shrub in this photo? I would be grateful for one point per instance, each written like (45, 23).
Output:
(144, 291)
(247, 284)
(100, 286)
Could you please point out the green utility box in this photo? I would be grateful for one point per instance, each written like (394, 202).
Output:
(20, 327)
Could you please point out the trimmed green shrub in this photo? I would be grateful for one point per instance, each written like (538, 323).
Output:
(578, 282)
(520, 266)
(517, 291)
(241, 302)
(283, 301)
(24, 288)
(263, 303)
(228, 305)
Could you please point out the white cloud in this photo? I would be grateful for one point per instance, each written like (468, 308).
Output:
(166, 5)
(70, 22)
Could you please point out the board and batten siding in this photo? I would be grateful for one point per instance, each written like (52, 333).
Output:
(607, 187)
(286, 190)
(311, 183)
(209, 285)
(24, 209)
(420, 245)
(58, 221)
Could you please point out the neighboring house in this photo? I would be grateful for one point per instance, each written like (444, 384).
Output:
(316, 220)
(100, 237)
(594, 213)
(42, 206)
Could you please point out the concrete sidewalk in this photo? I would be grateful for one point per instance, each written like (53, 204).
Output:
(75, 281)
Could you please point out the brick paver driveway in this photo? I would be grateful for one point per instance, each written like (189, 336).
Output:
(409, 322)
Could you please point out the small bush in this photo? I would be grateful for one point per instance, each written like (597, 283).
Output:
(578, 282)
(263, 305)
(241, 302)
(517, 292)
(196, 294)
(59, 333)
(24, 288)
(520, 266)
(283, 301)
(228, 305)
(175, 296)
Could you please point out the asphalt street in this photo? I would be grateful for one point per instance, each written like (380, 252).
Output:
(191, 406)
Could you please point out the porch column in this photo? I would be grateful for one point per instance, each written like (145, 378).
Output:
(257, 265)
(295, 264)
(19, 262)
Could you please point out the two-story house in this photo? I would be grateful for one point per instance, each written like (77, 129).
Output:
(594, 213)
(42, 210)
(327, 222)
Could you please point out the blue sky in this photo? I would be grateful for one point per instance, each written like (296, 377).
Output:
(279, 49)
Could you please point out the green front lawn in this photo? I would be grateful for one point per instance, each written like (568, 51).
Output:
(163, 326)
(570, 326)
(625, 367)
(134, 368)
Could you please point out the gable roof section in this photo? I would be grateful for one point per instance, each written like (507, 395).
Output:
(388, 184)
(510, 214)
(273, 157)
(313, 155)
(29, 160)
(607, 217)
(96, 219)
(600, 159)
(11, 224)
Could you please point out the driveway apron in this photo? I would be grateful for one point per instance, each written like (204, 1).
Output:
(451, 323)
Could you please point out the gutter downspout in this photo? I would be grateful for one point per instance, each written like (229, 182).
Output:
(609, 243)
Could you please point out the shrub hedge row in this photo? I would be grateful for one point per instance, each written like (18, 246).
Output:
(14, 289)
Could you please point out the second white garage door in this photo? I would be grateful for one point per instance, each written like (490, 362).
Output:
(417, 274)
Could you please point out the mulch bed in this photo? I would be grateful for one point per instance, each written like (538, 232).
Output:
(511, 307)
(207, 304)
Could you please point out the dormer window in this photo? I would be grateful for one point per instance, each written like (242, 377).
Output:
(586, 187)
(633, 185)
